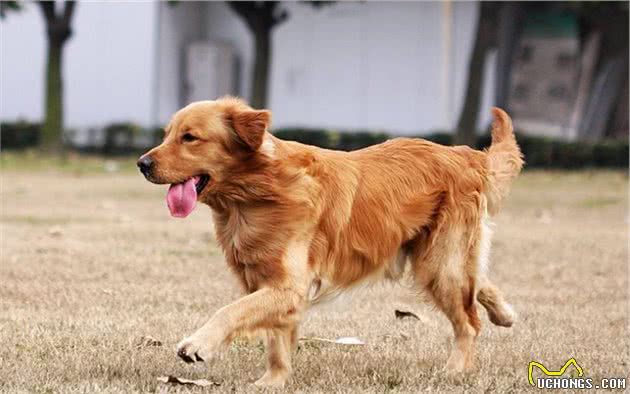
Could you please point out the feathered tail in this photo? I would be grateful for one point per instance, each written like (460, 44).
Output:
(505, 160)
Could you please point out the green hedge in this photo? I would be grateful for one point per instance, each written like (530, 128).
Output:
(540, 152)
(19, 135)
(117, 138)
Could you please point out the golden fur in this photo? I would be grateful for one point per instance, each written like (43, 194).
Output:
(300, 224)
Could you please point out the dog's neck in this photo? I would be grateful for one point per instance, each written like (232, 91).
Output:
(263, 179)
(257, 180)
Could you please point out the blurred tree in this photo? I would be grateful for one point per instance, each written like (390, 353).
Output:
(500, 24)
(485, 38)
(610, 20)
(6, 6)
(509, 25)
(260, 17)
(58, 31)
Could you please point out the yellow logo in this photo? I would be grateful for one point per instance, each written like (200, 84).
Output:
(547, 372)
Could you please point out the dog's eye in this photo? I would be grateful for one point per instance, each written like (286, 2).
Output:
(189, 138)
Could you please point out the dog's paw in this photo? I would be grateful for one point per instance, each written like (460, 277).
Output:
(503, 315)
(273, 379)
(193, 349)
(458, 363)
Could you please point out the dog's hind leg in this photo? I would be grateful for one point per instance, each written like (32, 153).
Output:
(445, 268)
(500, 312)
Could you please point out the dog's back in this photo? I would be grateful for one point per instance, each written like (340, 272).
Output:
(385, 196)
(376, 202)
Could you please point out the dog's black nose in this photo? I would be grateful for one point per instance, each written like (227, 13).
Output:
(145, 164)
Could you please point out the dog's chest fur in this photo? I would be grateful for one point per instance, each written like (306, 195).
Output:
(254, 239)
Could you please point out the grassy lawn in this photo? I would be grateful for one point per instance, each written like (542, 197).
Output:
(74, 163)
(92, 262)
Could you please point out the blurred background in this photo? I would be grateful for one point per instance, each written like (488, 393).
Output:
(104, 77)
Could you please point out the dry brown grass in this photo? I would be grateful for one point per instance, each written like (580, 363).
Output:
(91, 262)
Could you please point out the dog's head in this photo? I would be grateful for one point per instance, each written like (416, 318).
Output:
(202, 142)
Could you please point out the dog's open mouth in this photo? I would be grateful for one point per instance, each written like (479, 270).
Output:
(182, 197)
(203, 181)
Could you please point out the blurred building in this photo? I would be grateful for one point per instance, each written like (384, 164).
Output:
(399, 67)
(564, 83)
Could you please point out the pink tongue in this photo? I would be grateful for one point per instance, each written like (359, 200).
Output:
(182, 198)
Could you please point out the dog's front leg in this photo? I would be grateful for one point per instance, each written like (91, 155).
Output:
(270, 308)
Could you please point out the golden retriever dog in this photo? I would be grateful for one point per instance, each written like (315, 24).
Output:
(300, 225)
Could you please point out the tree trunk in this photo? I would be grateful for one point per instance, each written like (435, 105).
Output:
(52, 129)
(261, 17)
(260, 75)
(467, 125)
(58, 31)
(509, 21)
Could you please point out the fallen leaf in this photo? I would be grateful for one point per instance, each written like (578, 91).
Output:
(197, 382)
(544, 216)
(340, 340)
(147, 341)
(55, 231)
(404, 314)
(107, 204)
(399, 336)
(111, 166)
(349, 341)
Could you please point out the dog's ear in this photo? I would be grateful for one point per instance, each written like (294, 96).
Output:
(250, 126)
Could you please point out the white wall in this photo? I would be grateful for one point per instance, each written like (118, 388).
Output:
(370, 65)
(367, 65)
(224, 26)
(22, 50)
(108, 64)
(180, 24)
